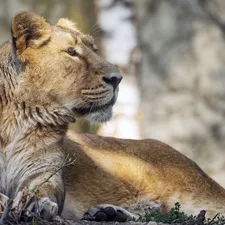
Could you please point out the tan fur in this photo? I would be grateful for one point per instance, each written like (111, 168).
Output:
(128, 172)
(42, 90)
(66, 23)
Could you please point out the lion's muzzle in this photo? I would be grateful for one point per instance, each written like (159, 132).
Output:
(113, 79)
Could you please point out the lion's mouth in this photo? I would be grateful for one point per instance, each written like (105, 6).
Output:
(93, 108)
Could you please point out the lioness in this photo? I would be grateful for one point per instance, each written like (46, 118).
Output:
(49, 75)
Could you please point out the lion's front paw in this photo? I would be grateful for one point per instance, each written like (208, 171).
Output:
(107, 213)
(3, 202)
(43, 207)
(30, 205)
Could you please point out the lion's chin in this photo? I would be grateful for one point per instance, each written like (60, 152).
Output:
(102, 115)
(98, 113)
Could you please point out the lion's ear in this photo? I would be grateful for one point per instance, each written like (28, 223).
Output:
(29, 30)
(66, 23)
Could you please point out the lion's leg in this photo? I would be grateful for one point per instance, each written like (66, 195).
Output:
(3, 202)
(108, 212)
(42, 197)
(133, 211)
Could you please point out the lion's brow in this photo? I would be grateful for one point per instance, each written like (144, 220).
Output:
(86, 39)
(73, 33)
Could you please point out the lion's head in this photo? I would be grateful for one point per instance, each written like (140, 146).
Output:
(58, 67)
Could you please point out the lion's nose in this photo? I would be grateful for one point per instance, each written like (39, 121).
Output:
(113, 79)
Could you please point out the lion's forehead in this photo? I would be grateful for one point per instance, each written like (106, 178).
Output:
(62, 38)
(65, 36)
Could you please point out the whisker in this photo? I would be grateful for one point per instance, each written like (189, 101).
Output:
(82, 122)
(94, 27)
(92, 106)
(96, 32)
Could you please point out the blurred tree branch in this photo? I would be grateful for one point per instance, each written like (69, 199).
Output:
(214, 18)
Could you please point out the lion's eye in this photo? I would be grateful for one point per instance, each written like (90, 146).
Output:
(72, 52)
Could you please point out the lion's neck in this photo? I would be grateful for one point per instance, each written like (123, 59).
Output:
(8, 75)
(17, 120)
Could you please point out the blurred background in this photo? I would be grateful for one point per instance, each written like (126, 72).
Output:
(172, 56)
